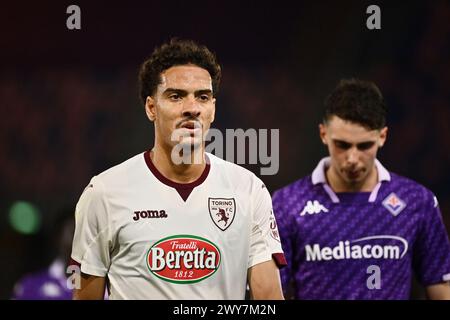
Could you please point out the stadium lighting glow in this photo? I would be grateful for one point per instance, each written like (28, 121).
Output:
(24, 217)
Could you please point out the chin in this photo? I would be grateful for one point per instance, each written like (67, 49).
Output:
(190, 143)
(356, 181)
(185, 152)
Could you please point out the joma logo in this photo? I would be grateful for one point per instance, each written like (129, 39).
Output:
(148, 214)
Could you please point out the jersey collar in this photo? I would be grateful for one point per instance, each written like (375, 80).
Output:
(318, 177)
(183, 189)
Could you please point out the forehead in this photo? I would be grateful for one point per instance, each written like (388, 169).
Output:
(339, 129)
(186, 77)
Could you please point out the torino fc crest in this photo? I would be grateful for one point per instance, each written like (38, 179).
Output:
(222, 211)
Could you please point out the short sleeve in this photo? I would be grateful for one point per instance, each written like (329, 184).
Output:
(264, 239)
(91, 240)
(431, 259)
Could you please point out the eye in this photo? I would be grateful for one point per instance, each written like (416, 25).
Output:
(204, 98)
(174, 97)
(342, 145)
(365, 145)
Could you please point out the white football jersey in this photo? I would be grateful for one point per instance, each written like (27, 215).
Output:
(157, 239)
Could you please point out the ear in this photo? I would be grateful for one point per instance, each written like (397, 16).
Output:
(323, 133)
(383, 136)
(150, 108)
(213, 114)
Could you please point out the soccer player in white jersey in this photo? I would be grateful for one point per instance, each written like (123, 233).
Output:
(150, 228)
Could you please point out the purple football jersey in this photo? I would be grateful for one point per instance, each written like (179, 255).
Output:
(48, 284)
(360, 245)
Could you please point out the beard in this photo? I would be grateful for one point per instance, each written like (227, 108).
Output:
(188, 146)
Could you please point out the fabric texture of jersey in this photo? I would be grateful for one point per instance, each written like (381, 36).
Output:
(153, 241)
(360, 245)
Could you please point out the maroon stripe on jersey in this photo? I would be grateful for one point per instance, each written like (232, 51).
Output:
(279, 259)
(183, 189)
(74, 263)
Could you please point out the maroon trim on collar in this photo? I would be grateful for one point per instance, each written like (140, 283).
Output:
(183, 189)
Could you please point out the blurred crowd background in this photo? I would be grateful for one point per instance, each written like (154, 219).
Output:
(70, 108)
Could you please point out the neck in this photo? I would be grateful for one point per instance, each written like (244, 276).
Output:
(180, 173)
(339, 185)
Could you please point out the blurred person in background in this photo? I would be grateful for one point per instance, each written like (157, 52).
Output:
(51, 282)
(352, 229)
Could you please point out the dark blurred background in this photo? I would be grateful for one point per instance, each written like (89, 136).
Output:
(70, 108)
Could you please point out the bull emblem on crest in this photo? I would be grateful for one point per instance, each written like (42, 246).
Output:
(222, 211)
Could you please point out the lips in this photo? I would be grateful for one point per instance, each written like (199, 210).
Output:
(191, 125)
(352, 174)
(188, 125)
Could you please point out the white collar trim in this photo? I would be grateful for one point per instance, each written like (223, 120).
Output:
(318, 176)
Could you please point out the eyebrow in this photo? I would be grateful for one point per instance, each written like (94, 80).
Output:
(204, 91)
(185, 93)
(361, 145)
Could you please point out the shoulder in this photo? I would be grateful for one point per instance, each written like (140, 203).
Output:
(408, 186)
(230, 167)
(126, 168)
(232, 172)
(120, 175)
(295, 188)
(114, 179)
(410, 190)
(292, 198)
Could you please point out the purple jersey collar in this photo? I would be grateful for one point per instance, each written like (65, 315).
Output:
(318, 176)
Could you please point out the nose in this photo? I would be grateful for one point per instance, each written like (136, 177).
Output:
(191, 108)
(352, 156)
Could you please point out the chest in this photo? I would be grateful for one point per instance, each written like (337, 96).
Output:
(366, 225)
(144, 216)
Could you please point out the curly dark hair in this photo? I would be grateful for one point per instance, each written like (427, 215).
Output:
(357, 101)
(176, 52)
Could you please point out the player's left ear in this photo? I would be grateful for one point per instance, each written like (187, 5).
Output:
(213, 113)
(150, 108)
(383, 136)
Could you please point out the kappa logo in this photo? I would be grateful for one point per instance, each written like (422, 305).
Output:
(394, 204)
(222, 211)
(313, 207)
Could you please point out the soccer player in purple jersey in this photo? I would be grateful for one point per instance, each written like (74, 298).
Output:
(352, 229)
